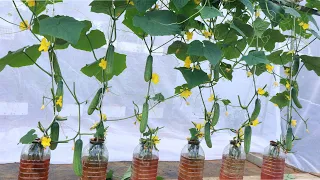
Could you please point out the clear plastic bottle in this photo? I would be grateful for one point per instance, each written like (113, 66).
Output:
(34, 162)
(191, 162)
(144, 163)
(233, 161)
(95, 158)
(273, 162)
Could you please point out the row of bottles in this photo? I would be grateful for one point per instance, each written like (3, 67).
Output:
(35, 160)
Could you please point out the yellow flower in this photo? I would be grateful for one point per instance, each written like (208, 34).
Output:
(42, 107)
(103, 117)
(200, 134)
(187, 62)
(189, 35)
(199, 126)
(304, 25)
(276, 84)
(290, 52)
(288, 85)
(197, 2)
(269, 68)
(24, 25)
(226, 113)
(261, 91)
(45, 141)
(241, 134)
(155, 140)
(287, 71)
(155, 78)
(94, 126)
(239, 144)
(211, 98)
(293, 123)
(207, 34)
(103, 64)
(139, 117)
(31, 3)
(197, 67)
(59, 101)
(130, 2)
(288, 97)
(257, 13)
(186, 93)
(255, 122)
(249, 73)
(44, 45)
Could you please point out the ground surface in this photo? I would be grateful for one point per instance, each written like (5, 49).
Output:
(168, 170)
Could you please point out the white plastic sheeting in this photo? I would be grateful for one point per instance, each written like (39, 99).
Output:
(22, 90)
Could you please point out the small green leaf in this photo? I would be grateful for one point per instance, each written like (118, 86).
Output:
(259, 69)
(226, 70)
(95, 37)
(100, 131)
(248, 4)
(29, 137)
(127, 174)
(255, 57)
(193, 133)
(291, 11)
(212, 52)
(143, 5)
(179, 89)
(179, 49)
(63, 27)
(159, 178)
(279, 58)
(273, 11)
(158, 23)
(226, 101)
(194, 78)
(109, 175)
(209, 12)
(158, 97)
(196, 48)
(281, 99)
(311, 63)
(180, 3)
(128, 21)
(111, 8)
(260, 26)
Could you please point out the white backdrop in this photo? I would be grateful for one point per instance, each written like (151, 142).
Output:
(22, 90)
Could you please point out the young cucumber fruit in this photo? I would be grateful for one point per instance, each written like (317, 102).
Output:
(77, 164)
(148, 69)
(247, 139)
(256, 110)
(216, 114)
(59, 95)
(289, 139)
(294, 94)
(144, 119)
(54, 135)
(110, 59)
(207, 135)
(95, 101)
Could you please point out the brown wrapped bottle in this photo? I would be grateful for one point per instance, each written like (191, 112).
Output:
(144, 163)
(233, 161)
(273, 162)
(95, 160)
(34, 162)
(191, 162)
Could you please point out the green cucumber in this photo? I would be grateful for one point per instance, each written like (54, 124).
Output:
(256, 110)
(295, 66)
(56, 68)
(110, 59)
(247, 139)
(294, 94)
(59, 93)
(54, 135)
(77, 163)
(216, 114)
(148, 69)
(95, 101)
(216, 72)
(289, 139)
(207, 135)
(144, 119)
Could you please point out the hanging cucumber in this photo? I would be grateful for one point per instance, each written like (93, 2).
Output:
(144, 119)
(77, 164)
(95, 101)
(56, 67)
(207, 135)
(148, 69)
(216, 72)
(294, 94)
(216, 114)
(110, 59)
(289, 139)
(256, 110)
(54, 135)
(247, 139)
(295, 66)
(59, 96)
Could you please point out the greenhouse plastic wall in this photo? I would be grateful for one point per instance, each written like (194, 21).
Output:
(21, 92)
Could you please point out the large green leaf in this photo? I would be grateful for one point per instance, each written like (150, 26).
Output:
(259, 69)
(255, 57)
(158, 23)
(292, 12)
(209, 12)
(179, 49)
(273, 36)
(25, 56)
(196, 48)
(94, 69)
(29, 137)
(281, 99)
(260, 26)
(108, 7)
(212, 52)
(311, 63)
(233, 50)
(273, 11)
(40, 6)
(278, 57)
(193, 77)
(242, 28)
(64, 27)
(180, 3)
(95, 37)
(128, 21)
(143, 5)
